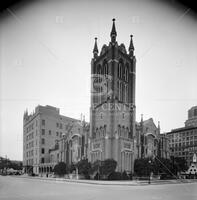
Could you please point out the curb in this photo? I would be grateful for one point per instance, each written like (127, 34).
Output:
(89, 182)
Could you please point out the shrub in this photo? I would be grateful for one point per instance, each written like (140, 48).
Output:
(60, 169)
(115, 176)
(125, 176)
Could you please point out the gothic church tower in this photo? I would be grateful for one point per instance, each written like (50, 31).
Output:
(112, 112)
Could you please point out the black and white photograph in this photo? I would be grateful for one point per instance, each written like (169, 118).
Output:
(98, 100)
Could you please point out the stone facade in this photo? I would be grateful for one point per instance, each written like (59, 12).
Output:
(147, 134)
(112, 113)
(163, 148)
(73, 146)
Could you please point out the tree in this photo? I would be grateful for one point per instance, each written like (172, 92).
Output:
(163, 165)
(95, 166)
(180, 164)
(104, 168)
(115, 176)
(60, 169)
(108, 166)
(142, 167)
(71, 168)
(84, 167)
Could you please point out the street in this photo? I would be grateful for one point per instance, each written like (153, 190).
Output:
(29, 189)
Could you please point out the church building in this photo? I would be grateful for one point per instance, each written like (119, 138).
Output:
(112, 112)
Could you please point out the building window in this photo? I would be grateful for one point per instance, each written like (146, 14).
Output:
(105, 69)
(60, 125)
(126, 74)
(42, 160)
(43, 141)
(57, 124)
(43, 122)
(42, 150)
(43, 131)
(49, 132)
(57, 134)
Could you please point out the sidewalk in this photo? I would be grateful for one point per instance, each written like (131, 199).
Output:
(116, 183)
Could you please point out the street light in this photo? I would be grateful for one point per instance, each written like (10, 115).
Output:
(149, 181)
(77, 170)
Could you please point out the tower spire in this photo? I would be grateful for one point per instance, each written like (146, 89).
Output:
(142, 118)
(113, 32)
(159, 126)
(131, 47)
(95, 50)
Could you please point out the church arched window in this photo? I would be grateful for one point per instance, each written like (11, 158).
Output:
(127, 132)
(121, 91)
(120, 69)
(126, 93)
(122, 88)
(126, 73)
(105, 130)
(119, 130)
(96, 135)
(98, 69)
(105, 68)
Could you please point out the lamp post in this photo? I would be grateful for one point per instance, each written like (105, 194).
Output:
(149, 181)
(77, 173)
(77, 169)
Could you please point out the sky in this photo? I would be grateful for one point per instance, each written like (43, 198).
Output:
(46, 50)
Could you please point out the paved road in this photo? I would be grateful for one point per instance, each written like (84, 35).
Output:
(35, 189)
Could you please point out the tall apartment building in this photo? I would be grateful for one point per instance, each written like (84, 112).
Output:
(40, 131)
(183, 141)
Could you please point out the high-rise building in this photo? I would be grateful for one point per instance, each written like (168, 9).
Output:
(183, 141)
(192, 117)
(40, 131)
(112, 113)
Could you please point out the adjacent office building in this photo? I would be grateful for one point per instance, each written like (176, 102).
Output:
(183, 141)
